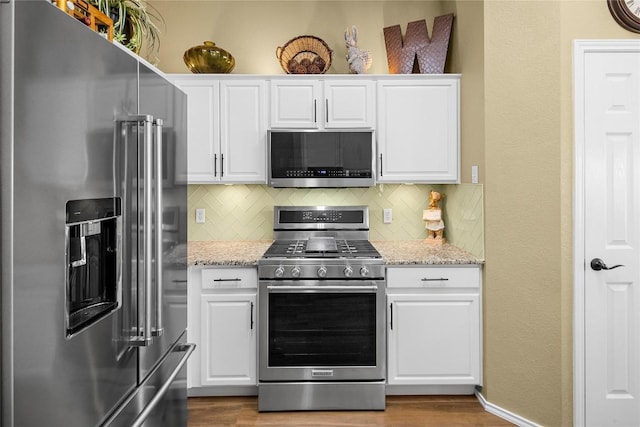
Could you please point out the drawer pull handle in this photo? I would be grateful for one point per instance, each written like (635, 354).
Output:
(442, 279)
(227, 280)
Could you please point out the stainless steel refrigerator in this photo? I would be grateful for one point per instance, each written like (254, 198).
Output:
(93, 230)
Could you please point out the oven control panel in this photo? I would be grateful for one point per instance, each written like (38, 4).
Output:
(321, 271)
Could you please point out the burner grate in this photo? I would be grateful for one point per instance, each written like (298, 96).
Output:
(345, 249)
(297, 247)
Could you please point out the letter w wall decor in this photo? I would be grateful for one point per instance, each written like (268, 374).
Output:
(430, 54)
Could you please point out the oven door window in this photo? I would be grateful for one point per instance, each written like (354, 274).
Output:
(322, 329)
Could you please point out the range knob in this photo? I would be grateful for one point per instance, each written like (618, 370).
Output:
(348, 271)
(295, 272)
(364, 271)
(279, 272)
(322, 272)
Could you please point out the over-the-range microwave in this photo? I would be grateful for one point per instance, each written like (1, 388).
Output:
(321, 158)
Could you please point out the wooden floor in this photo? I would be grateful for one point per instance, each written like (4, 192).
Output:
(401, 411)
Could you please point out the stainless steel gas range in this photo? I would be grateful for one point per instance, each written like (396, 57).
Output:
(321, 312)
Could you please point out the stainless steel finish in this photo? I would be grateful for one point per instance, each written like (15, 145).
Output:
(147, 338)
(286, 268)
(310, 262)
(305, 373)
(322, 182)
(320, 288)
(354, 231)
(322, 244)
(115, 418)
(188, 349)
(158, 329)
(58, 119)
(142, 335)
(321, 396)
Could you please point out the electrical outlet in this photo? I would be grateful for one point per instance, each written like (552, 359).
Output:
(474, 174)
(200, 216)
(387, 216)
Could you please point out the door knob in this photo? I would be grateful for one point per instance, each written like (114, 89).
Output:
(597, 264)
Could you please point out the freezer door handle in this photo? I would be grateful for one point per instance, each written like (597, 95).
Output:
(122, 409)
(158, 329)
(188, 349)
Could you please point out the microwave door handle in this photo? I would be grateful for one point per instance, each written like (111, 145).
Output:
(159, 327)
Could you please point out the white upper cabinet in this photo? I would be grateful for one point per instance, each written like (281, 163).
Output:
(243, 131)
(315, 103)
(226, 129)
(415, 118)
(418, 129)
(203, 118)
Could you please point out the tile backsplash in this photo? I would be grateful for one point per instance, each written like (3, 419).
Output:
(245, 212)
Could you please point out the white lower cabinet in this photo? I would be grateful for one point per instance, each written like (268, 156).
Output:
(434, 329)
(222, 322)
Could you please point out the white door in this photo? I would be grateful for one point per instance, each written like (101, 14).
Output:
(607, 84)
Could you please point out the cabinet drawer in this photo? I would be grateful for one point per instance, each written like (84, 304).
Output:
(229, 278)
(433, 277)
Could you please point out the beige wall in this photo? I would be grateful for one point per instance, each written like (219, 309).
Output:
(528, 200)
(517, 124)
(522, 148)
(252, 30)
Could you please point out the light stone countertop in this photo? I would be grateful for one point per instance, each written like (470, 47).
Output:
(405, 252)
(394, 252)
(227, 252)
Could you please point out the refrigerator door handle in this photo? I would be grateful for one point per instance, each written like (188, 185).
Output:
(158, 330)
(188, 349)
(142, 335)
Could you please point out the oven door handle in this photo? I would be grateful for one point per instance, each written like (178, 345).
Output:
(323, 288)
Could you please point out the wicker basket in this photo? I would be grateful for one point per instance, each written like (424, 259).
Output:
(305, 55)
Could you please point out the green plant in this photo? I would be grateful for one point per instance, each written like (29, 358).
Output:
(134, 21)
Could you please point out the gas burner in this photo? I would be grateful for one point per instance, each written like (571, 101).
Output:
(304, 249)
(296, 248)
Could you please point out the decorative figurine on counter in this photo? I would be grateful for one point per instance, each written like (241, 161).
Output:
(433, 219)
(359, 60)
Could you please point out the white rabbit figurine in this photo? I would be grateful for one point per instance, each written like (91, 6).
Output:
(359, 60)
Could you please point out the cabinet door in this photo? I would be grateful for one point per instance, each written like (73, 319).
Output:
(203, 139)
(433, 339)
(296, 104)
(228, 354)
(243, 131)
(417, 131)
(349, 104)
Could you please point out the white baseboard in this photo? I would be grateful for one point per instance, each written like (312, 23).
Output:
(504, 414)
